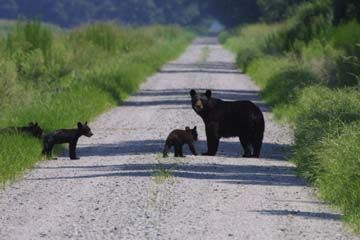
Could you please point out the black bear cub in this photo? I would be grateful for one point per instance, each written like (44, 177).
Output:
(178, 138)
(224, 119)
(70, 136)
(33, 129)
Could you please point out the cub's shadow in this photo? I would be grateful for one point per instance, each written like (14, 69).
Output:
(226, 149)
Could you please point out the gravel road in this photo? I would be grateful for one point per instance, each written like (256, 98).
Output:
(122, 188)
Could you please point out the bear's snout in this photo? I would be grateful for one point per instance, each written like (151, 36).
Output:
(198, 106)
(89, 134)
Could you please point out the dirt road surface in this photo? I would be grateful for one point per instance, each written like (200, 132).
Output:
(122, 188)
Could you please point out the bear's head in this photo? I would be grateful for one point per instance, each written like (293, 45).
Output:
(200, 101)
(84, 129)
(35, 130)
(193, 132)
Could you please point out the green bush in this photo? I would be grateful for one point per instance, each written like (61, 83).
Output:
(339, 180)
(320, 113)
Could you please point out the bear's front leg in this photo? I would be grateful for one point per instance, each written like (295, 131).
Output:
(213, 139)
(192, 148)
(48, 146)
(72, 150)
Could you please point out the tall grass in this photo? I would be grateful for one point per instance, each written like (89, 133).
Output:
(73, 76)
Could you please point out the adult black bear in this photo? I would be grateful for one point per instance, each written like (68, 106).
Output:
(33, 129)
(241, 119)
(70, 136)
(178, 138)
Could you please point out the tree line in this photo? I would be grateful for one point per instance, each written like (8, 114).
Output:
(68, 13)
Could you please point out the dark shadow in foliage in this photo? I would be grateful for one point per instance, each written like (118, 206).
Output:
(306, 215)
(241, 174)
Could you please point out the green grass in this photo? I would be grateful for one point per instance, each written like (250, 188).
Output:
(73, 76)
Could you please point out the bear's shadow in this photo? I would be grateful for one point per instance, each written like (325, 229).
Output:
(226, 149)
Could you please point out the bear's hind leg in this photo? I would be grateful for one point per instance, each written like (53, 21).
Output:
(257, 143)
(177, 150)
(181, 151)
(246, 146)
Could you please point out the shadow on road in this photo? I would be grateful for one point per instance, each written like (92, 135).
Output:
(239, 174)
(316, 215)
(175, 100)
(226, 149)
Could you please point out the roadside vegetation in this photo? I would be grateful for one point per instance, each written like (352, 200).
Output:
(57, 78)
(309, 71)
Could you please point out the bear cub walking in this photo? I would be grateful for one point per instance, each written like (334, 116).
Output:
(32, 129)
(178, 138)
(70, 136)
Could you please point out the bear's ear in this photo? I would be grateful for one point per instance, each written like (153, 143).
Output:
(208, 93)
(79, 125)
(31, 124)
(192, 93)
(195, 128)
(187, 128)
(86, 123)
(36, 124)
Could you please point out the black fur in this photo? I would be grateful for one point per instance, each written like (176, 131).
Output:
(178, 138)
(70, 136)
(33, 129)
(241, 119)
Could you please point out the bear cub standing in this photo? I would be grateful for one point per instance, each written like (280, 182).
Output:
(70, 136)
(178, 138)
(226, 119)
(33, 129)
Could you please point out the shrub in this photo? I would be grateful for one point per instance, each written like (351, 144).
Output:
(339, 180)
(320, 113)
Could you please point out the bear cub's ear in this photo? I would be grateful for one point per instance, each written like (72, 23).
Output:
(208, 93)
(187, 129)
(195, 128)
(79, 125)
(192, 93)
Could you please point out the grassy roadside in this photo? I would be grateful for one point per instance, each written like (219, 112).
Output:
(309, 74)
(58, 79)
